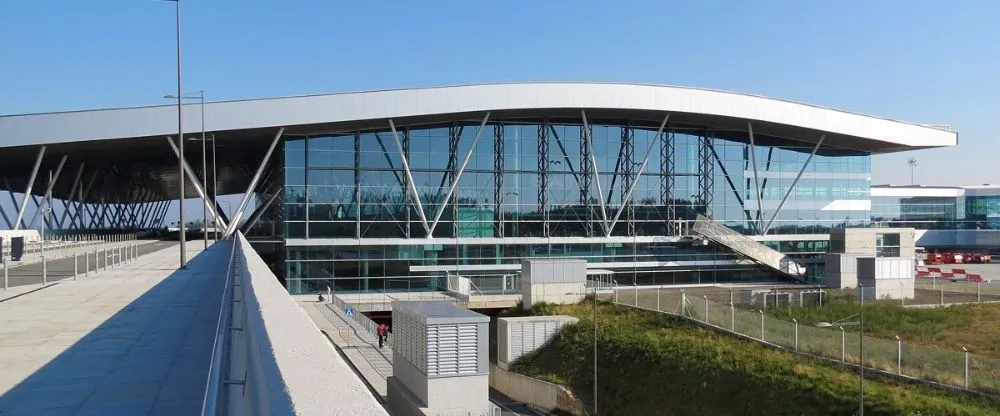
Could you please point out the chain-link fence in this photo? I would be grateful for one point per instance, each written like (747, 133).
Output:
(959, 368)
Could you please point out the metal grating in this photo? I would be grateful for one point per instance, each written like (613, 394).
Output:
(452, 349)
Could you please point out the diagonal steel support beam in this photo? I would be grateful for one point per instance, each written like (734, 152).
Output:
(257, 213)
(198, 186)
(756, 177)
(81, 205)
(27, 191)
(562, 149)
(253, 185)
(68, 203)
(796, 181)
(642, 167)
(388, 160)
(458, 175)
(409, 180)
(47, 197)
(594, 171)
(6, 219)
(13, 200)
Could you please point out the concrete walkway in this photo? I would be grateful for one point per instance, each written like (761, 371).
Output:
(93, 257)
(132, 341)
(64, 249)
(360, 347)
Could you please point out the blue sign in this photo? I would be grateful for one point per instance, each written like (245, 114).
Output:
(349, 311)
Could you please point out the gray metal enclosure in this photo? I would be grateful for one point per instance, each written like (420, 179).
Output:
(440, 356)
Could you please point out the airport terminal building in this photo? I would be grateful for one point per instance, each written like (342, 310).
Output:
(946, 217)
(396, 190)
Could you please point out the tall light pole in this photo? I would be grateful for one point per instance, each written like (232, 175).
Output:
(861, 353)
(913, 164)
(180, 138)
(204, 162)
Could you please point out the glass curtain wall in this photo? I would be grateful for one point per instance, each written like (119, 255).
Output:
(349, 194)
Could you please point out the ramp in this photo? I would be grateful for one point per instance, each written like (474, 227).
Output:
(746, 246)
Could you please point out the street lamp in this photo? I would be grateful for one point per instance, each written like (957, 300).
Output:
(180, 137)
(204, 160)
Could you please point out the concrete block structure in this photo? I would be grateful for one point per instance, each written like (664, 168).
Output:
(886, 277)
(882, 259)
(440, 360)
(552, 280)
(520, 335)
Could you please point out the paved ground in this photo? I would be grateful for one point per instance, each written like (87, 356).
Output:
(59, 269)
(132, 341)
(374, 363)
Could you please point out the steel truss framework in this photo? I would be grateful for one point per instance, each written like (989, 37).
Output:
(599, 211)
(138, 208)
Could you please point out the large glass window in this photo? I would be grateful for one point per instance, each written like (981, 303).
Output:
(528, 179)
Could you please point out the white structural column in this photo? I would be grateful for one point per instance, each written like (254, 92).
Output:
(198, 186)
(756, 177)
(458, 175)
(27, 190)
(46, 198)
(794, 182)
(235, 221)
(642, 167)
(594, 171)
(409, 177)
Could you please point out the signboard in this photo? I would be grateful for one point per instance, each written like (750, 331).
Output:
(349, 311)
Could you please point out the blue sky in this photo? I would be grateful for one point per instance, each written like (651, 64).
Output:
(921, 61)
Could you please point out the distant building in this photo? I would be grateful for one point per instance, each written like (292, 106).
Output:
(946, 217)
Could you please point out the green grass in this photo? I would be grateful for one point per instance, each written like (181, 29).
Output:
(972, 326)
(651, 364)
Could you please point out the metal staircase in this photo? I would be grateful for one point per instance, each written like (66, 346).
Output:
(746, 246)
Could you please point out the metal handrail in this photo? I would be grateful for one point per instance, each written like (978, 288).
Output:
(210, 403)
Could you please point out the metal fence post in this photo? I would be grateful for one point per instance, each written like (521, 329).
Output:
(796, 322)
(76, 267)
(899, 355)
(843, 346)
(615, 289)
(5, 281)
(657, 298)
(732, 316)
(636, 289)
(942, 293)
(86, 264)
(978, 296)
(761, 323)
(966, 367)
(706, 308)
(684, 302)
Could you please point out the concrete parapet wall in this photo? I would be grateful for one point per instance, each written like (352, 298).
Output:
(290, 368)
(30, 236)
(538, 393)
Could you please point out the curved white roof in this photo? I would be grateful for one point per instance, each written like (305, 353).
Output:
(844, 128)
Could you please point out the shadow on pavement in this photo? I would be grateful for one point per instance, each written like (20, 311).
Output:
(151, 357)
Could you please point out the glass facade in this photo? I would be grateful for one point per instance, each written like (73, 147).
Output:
(937, 208)
(620, 194)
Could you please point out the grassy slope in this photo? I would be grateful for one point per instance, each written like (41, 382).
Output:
(652, 365)
(976, 327)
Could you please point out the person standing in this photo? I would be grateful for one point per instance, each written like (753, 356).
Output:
(383, 332)
(329, 293)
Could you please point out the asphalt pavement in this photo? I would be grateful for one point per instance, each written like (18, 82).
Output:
(59, 269)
